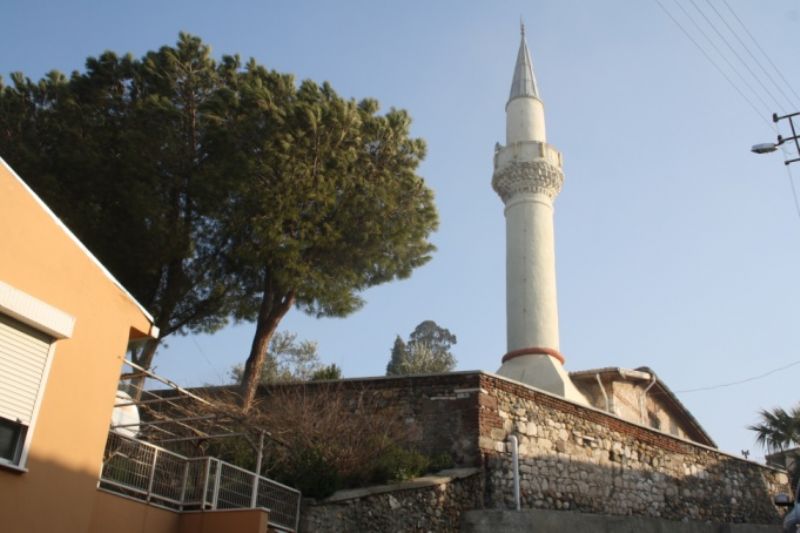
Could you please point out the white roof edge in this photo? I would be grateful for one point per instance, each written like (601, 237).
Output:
(153, 330)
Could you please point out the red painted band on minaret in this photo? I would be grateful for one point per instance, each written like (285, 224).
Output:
(534, 351)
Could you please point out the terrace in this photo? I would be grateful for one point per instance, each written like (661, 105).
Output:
(155, 454)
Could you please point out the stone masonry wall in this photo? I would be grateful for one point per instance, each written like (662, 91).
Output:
(583, 459)
(572, 457)
(435, 503)
(438, 413)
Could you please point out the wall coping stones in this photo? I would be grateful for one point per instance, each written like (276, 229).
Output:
(660, 433)
(444, 476)
(422, 378)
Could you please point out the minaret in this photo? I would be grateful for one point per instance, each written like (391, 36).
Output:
(528, 177)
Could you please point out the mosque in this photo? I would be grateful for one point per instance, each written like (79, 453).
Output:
(528, 175)
(612, 445)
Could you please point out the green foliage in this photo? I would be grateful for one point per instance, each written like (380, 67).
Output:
(289, 360)
(778, 428)
(397, 463)
(216, 189)
(331, 371)
(323, 201)
(310, 471)
(427, 351)
(120, 152)
(440, 461)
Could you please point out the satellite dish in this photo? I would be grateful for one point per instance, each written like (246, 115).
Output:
(125, 417)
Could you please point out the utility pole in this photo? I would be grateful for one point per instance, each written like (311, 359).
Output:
(765, 148)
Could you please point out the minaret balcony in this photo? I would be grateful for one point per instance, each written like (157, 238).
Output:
(526, 151)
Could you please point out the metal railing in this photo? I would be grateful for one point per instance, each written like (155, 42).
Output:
(158, 476)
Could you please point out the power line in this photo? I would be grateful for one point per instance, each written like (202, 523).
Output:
(741, 381)
(714, 64)
(754, 58)
(736, 54)
(723, 56)
(752, 38)
(199, 349)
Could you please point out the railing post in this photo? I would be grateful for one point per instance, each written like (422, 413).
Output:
(257, 474)
(185, 482)
(218, 472)
(297, 514)
(152, 474)
(205, 481)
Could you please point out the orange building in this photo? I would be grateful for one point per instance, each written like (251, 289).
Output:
(65, 324)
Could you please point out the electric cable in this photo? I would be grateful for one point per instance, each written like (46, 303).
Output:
(739, 382)
(736, 54)
(714, 64)
(769, 59)
(750, 53)
(199, 349)
(723, 56)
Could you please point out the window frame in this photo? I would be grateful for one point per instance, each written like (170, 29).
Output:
(28, 429)
(30, 312)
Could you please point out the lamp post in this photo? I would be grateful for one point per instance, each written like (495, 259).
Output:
(765, 148)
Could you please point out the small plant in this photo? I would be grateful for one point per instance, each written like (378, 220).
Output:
(398, 463)
(440, 461)
(311, 473)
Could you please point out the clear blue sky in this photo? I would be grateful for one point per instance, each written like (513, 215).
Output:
(676, 247)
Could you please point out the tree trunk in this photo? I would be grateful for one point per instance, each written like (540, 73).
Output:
(274, 306)
(143, 359)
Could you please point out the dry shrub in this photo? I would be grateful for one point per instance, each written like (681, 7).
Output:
(319, 437)
(326, 436)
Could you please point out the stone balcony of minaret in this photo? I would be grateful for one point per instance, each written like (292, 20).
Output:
(527, 167)
(527, 151)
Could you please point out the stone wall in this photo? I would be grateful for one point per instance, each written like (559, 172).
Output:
(438, 412)
(433, 503)
(572, 457)
(583, 459)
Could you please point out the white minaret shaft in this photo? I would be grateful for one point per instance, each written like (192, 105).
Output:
(528, 177)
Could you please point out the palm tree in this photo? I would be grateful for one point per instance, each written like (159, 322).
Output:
(778, 428)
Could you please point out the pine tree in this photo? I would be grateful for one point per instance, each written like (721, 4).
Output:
(427, 351)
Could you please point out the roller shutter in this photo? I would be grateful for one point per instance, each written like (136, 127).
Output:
(23, 360)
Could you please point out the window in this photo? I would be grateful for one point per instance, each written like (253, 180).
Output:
(12, 435)
(655, 422)
(24, 355)
(28, 329)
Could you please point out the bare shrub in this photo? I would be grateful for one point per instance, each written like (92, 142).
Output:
(327, 431)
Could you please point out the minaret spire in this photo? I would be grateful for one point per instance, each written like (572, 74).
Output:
(528, 177)
(524, 82)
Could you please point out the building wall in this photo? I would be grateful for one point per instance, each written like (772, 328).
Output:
(40, 258)
(122, 515)
(624, 398)
(117, 514)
